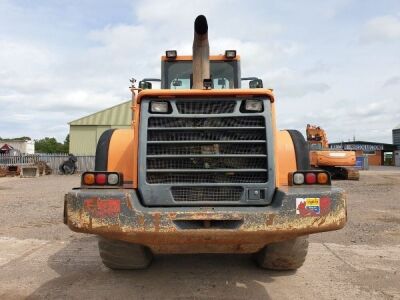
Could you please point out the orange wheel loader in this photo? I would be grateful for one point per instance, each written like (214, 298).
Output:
(203, 170)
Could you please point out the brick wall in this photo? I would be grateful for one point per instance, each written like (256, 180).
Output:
(373, 160)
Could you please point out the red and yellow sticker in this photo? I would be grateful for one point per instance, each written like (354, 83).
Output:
(313, 206)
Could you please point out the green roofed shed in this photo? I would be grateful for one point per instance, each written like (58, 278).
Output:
(86, 131)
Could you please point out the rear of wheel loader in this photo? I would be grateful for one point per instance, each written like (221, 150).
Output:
(203, 170)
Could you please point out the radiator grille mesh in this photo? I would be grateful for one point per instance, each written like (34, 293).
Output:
(206, 122)
(207, 193)
(206, 135)
(206, 107)
(206, 163)
(196, 149)
(228, 177)
(217, 155)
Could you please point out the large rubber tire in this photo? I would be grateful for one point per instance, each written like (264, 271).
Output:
(119, 255)
(301, 150)
(101, 159)
(287, 255)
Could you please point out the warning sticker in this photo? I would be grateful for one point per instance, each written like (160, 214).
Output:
(307, 206)
(312, 206)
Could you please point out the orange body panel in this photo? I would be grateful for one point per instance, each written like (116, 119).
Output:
(189, 57)
(120, 154)
(204, 93)
(332, 158)
(285, 157)
(135, 127)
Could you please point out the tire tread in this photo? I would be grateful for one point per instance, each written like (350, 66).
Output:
(119, 255)
(286, 255)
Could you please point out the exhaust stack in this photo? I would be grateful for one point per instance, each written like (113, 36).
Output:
(201, 52)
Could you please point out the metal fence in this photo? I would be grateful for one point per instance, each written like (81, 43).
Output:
(53, 160)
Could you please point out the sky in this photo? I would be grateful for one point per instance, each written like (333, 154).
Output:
(333, 63)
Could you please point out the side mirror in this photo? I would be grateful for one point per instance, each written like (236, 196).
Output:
(256, 84)
(176, 83)
(145, 85)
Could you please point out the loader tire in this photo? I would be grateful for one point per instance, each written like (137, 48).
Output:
(101, 158)
(286, 255)
(119, 255)
(301, 150)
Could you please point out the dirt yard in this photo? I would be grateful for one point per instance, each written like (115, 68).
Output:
(41, 258)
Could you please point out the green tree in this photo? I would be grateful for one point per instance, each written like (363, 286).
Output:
(66, 144)
(22, 138)
(49, 145)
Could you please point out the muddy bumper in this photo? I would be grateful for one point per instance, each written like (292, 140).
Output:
(119, 214)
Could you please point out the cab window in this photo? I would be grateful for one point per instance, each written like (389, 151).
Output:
(178, 74)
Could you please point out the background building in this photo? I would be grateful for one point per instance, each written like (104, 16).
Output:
(378, 153)
(396, 135)
(22, 146)
(86, 131)
(396, 142)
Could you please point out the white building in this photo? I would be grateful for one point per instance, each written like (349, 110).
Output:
(23, 146)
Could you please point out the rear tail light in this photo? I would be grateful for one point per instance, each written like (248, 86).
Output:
(88, 179)
(113, 178)
(319, 177)
(323, 178)
(311, 178)
(96, 179)
(298, 178)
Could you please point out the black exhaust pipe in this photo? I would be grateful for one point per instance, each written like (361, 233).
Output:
(201, 52)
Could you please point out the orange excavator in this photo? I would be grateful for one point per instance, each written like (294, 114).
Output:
(339, 163)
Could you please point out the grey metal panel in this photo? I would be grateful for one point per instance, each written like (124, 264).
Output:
(160, 194)
(396, 137)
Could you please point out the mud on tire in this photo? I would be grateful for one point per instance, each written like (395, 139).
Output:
(286, 255)
(119, 255)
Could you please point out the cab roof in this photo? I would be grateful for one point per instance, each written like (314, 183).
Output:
(211, 57)
(166, 93)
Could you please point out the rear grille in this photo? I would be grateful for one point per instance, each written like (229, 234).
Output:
(207, 193)
(206, 135)
(206, 163)
(228, 177)
(215, 148)
(202, 159)
(206, 107)
(206, 122)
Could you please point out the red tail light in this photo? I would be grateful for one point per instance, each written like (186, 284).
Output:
(101, 179)
(311, 178)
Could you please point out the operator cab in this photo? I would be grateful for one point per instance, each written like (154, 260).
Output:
(177, 71)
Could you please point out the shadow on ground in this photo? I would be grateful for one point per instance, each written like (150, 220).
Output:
(82, 275)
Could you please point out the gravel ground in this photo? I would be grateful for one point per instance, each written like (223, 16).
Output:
(41, 258)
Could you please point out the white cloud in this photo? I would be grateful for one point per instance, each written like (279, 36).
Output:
(382, 28)
(289, 83)
(392, 81)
